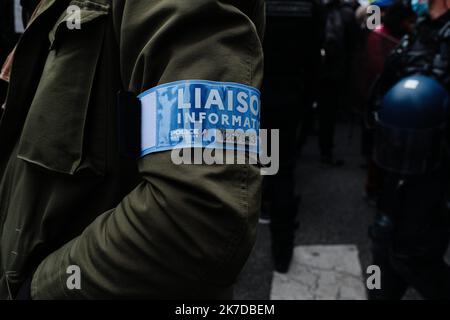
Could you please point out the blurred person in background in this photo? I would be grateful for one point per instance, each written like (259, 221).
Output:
(410, 234)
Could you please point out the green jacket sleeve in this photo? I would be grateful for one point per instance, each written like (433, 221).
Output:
(186, 230)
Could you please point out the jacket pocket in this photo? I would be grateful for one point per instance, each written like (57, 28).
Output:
(64, 131)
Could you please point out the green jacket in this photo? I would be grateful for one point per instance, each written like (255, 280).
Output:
(136, 229)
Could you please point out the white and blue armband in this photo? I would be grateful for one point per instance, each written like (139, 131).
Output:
(200, 114)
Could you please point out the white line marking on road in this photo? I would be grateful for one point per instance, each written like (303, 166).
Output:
(321, 273)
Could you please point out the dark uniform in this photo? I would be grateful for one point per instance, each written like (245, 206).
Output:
(292, 54)
(411, 232)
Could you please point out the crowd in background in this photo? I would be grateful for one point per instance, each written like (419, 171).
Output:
(322, 72)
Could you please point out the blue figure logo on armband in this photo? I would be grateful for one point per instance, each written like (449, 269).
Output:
(200, 114)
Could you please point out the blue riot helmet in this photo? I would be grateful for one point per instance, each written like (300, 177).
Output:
(411, 126)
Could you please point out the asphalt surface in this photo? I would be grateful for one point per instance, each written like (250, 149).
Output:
(333, 211)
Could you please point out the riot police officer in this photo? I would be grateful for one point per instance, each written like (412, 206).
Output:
(411, 232)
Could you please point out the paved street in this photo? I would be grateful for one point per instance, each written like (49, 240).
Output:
(332, 251)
